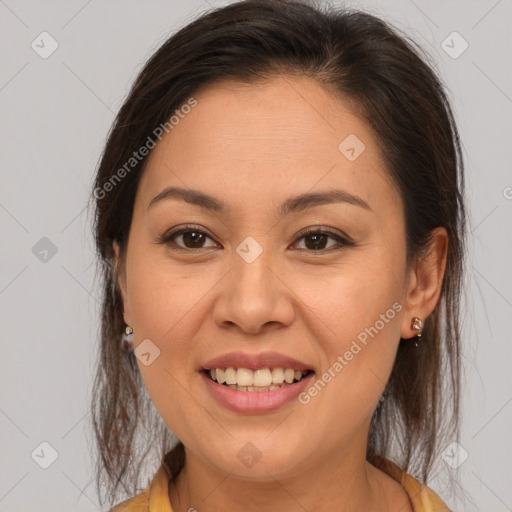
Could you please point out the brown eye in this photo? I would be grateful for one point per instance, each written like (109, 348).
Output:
(317, 239)
(191, 238)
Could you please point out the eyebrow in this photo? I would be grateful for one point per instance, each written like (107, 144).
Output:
(292, 204)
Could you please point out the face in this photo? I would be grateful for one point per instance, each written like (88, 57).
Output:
(245, 281)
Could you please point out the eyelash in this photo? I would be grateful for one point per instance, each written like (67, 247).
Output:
(167, 239)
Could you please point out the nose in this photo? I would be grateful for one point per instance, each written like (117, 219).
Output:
(255, 297)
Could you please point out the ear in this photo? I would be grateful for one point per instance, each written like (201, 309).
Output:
(425, 282)
(120, 277)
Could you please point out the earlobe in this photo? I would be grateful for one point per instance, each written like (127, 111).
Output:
(426, 281)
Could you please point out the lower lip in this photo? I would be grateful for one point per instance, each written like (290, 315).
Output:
(255, 401)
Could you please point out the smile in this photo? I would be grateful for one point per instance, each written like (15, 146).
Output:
(262, 379)
(247, 395)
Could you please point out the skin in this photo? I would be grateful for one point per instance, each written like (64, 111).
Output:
(253, 146)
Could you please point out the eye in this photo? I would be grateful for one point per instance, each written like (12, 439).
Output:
(192, 237)
(318, 238)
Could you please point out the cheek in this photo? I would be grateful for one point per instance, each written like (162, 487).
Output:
(337, 302)
(165, 303)
(162, 295)
(352, 296)
(357, 318)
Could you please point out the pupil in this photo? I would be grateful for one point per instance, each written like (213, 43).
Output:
(191, 234)
(315, 243)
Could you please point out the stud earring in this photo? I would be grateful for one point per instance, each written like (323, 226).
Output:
(127, 339)
(417, 325)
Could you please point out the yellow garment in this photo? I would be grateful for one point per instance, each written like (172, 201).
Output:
(155, 498)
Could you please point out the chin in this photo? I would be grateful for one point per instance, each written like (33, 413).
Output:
(258, 460)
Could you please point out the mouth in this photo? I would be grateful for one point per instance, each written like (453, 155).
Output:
(257, 380)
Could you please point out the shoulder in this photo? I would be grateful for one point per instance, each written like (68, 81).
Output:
(139, 503)
(154, 498)
(422, 497)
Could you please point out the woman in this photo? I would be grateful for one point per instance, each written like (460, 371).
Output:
(280, 219)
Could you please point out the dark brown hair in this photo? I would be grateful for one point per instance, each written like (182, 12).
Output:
(386, 77)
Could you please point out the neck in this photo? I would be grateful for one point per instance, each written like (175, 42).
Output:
(342, 482)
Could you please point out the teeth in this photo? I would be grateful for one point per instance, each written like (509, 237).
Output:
(221, 376)
(289, 375)
(277, 375)
(244, 377)
(264, 379)
(230, 376)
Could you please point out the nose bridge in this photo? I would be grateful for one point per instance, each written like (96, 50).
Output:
(255, 295)
(252, 268)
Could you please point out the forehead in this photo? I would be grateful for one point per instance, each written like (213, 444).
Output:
(285, 134)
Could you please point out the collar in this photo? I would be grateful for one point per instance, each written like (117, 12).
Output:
(155, 498)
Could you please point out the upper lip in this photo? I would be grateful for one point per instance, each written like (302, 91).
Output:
(255, 361)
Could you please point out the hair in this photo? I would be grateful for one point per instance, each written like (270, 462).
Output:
(357, 57)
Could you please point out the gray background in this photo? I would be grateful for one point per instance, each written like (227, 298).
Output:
(55, 114)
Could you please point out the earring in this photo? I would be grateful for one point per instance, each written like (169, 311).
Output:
(127, 339)
(417, 325)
